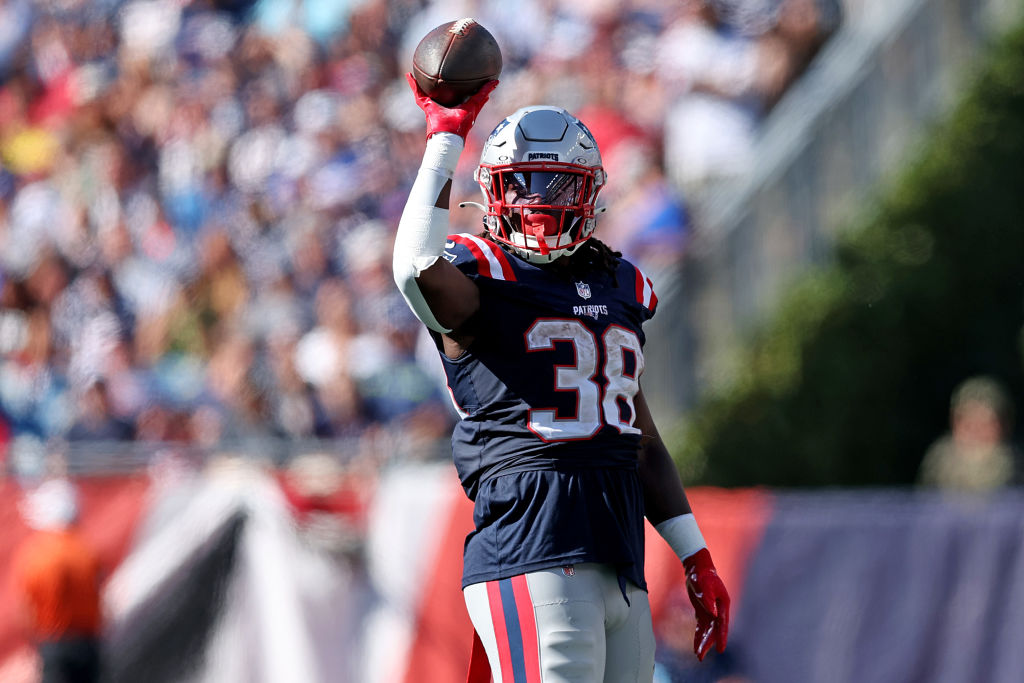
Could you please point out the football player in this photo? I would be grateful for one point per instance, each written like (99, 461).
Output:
(539, 329)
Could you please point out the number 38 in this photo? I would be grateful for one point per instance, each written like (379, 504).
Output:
(592, 409)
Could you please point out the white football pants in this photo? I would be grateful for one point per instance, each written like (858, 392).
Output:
(566, 625)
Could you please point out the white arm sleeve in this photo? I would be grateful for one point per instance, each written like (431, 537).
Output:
(424, 226)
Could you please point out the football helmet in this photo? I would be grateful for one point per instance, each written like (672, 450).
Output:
(540, 171)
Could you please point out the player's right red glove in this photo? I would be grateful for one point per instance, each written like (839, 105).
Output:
(710, 602)
(458, 119)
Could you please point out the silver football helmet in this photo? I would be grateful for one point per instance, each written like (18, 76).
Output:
(540, 171)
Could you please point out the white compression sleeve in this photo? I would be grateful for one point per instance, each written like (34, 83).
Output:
(424, 226)
(682, 534)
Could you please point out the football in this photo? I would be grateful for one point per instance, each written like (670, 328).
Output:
(454, 60)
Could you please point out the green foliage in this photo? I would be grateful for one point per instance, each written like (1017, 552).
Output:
(850, 381)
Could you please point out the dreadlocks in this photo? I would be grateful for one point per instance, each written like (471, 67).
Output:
(594, 255)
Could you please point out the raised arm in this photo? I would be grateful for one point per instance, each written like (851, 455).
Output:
(669, 511)
(436, 291)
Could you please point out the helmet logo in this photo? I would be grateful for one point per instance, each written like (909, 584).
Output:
(583, 289)
(534, 156)
(498, 128)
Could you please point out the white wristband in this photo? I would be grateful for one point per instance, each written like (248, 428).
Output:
(682, 534)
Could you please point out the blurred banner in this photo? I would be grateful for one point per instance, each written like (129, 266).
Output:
(886, 587)
(234, 576)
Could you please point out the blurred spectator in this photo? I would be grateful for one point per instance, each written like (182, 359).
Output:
(57, 578)
(95, 421)
(647, 220)
(727, 62)
(709, 127)
(976, 455)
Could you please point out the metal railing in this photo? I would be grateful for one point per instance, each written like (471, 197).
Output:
(856, 115)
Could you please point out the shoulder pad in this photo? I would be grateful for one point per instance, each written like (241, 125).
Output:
(643, 288)
(479, 256)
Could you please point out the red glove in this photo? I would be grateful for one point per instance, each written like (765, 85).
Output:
(458, 119)
(710, 602)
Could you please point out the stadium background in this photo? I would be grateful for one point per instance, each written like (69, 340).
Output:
(198, 322)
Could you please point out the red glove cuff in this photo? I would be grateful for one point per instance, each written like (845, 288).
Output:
(699, 561)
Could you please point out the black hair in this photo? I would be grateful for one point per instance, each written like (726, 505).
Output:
(594, 256)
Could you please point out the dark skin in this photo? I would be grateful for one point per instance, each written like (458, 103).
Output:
(454, 299)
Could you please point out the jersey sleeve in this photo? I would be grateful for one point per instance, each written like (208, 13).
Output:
(641, 290)
(478, 257)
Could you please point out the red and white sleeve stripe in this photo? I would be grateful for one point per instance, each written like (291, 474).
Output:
(645, 295)
(491, 260)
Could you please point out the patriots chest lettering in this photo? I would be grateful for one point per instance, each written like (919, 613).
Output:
(595, 310)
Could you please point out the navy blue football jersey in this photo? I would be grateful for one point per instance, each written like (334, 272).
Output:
(546, 446)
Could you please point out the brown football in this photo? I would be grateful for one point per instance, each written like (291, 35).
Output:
(454, 60)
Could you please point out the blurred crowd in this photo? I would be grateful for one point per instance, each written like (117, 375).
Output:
(197, 198)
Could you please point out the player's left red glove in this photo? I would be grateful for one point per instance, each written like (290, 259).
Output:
(710, 602)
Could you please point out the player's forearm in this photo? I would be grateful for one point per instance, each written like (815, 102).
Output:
(665, 502)
(423, 226)
(664, 496)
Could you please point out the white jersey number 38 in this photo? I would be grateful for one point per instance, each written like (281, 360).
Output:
(592, 409)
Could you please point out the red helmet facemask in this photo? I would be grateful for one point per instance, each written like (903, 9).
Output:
(540, 206)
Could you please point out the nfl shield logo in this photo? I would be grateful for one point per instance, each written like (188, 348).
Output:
(583, 289)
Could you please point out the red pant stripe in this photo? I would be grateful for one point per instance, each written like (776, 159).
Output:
(500, 630)
(528, 628)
